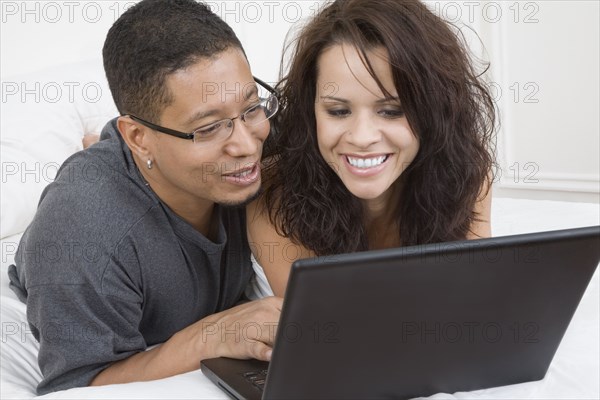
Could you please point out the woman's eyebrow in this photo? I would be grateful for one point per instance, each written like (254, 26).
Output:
(389, 99)
(334, 99)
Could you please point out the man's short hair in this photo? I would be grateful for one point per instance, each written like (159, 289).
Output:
(153, 39)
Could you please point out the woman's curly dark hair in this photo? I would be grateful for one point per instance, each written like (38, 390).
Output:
(449, 109)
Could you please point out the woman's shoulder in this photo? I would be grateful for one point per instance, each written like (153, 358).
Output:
(261, 224)
(271, 248)
(257, 212)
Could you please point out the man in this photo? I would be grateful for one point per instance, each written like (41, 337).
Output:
(138, 241)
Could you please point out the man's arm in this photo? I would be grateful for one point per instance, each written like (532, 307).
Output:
(245, 331)
(89, 330)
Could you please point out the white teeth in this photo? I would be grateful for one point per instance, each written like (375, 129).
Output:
(366, 162)
(243, 174)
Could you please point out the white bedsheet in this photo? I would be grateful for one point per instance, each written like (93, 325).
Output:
(573, 373)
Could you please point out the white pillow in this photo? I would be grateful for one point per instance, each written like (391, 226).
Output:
(44, 118)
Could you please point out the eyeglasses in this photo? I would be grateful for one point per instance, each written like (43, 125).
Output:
(220, 130)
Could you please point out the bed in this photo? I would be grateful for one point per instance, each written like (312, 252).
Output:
(38, 133)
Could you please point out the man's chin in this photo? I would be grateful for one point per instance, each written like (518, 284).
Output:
(240, 203)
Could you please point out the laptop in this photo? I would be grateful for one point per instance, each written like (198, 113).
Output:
(415, 321)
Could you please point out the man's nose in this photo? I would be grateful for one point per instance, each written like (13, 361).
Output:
(244, 140)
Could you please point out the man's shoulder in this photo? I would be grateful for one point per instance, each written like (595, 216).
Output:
(103, 206)
(106, 162)
(91, 207)
(96, 243)
(99, 184)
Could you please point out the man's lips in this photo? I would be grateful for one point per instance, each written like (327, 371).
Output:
(243, 176)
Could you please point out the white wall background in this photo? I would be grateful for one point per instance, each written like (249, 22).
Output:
(545, 71)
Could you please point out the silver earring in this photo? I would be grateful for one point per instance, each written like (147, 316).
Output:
(149, 163)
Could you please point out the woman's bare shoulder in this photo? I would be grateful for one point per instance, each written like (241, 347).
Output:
(274, 252)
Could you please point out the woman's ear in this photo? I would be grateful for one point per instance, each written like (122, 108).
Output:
(135, 136)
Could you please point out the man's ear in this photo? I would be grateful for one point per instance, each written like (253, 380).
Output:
(135, 136)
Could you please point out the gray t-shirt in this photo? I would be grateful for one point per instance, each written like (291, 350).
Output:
(107, 269)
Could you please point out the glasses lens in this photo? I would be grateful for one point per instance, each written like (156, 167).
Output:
(261, 112)
(271, 106)
(213, 132)
(221, 130)
(255, 114)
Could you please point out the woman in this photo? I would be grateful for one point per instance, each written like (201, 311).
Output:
(384, 140)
